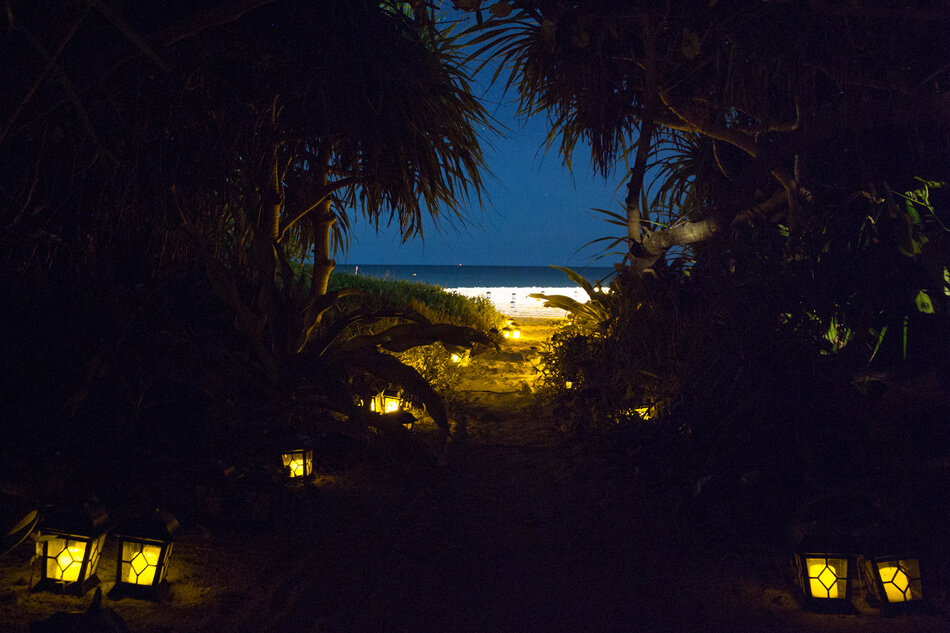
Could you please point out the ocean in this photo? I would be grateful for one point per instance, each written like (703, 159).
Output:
(479, 276)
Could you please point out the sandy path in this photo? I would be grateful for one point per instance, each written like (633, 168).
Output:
(520, 530)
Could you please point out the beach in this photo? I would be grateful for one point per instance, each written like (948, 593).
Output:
(517, 302)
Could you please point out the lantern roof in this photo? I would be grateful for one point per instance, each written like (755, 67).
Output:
(87, 519)
(294, 442)
(154, 526)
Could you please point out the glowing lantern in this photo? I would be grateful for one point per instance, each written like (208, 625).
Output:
(892, 580)
(296, 453)
(145, 547)
(824, 579)
(68, 548)
(386, 402)
(511, 332)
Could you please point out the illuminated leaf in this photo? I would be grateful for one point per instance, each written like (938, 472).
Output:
(923, 302)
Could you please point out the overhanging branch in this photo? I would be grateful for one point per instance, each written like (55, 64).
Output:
(655, 244)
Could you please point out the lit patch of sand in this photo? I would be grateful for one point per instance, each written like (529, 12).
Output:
(516, 302)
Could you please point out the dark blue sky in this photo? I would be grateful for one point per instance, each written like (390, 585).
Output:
(537, 212)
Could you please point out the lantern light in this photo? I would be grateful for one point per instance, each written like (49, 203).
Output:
(388, 401)
(824, 578)
(892, 580)
(296, 454)
(145, 547)
(68, 547)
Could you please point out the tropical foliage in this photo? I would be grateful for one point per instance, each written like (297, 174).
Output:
(161, 167)
(783, 231)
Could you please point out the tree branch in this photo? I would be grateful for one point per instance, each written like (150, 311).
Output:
(656, 243)
(123, 27)
(50, 62)
(701, 123)
(207, 19)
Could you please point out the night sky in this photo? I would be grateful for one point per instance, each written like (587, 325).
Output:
(537, 212)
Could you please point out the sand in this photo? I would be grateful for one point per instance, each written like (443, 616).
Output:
(516, 302)
(519, 528)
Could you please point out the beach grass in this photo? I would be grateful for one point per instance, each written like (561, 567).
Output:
(434, 302)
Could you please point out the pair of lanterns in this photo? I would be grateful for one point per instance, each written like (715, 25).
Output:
(389, 401)
(825, 579)
(69, 546)
(511, 330)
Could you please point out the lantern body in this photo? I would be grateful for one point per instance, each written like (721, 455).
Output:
(299, 463)
(142, 565)
(145, 547)
(386, 402)
(68, 548)
(68, 562)
(824, 579)
(296, 455)
(893, 580)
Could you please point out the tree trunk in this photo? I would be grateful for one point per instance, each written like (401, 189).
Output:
(323, 220)
(635, 211)
(273, 198)
(635, 186)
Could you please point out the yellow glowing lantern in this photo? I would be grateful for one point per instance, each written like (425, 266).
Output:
(68, 547)
(824, 578)
(511, 332)
(892, 580)
(386, 402)
(296, 454)
(145, 547)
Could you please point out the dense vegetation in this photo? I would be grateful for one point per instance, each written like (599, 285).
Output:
(780, 315)
(161, 168)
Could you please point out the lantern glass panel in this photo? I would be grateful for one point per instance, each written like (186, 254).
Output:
(901, 579)
(827, 577)
(140, 563)
(65, 556)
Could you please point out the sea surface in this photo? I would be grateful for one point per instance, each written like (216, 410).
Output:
(479, 276)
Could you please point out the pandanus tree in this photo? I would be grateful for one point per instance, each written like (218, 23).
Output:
(286, 116)
(798, 118)
(138, 140)
(347, 107)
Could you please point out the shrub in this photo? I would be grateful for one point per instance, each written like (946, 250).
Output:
(433, 302)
